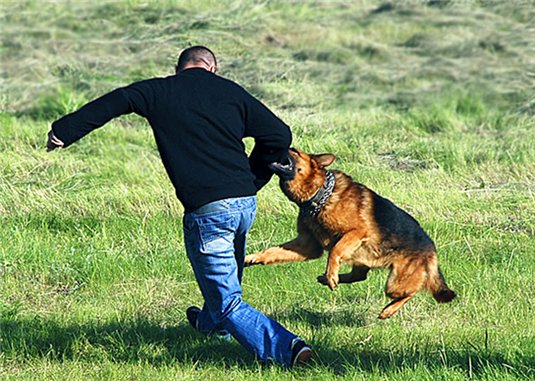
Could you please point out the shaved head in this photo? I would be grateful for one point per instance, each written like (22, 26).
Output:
(196, 56)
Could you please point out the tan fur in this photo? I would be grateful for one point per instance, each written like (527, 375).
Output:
(347, 228)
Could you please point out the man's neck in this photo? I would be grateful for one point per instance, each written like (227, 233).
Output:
(199, 65)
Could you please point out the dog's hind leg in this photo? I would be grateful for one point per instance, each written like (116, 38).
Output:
(357, 274)
(393, 307)
(407, 277)
(303, 248)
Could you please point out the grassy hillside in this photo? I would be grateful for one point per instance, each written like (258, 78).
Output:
(430, 103)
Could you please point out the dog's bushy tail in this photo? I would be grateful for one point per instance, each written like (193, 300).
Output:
(436, 283)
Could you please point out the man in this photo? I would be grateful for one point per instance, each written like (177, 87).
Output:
(199, 120)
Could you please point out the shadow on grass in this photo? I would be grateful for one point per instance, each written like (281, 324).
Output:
(143, 341)
(323, 319)
(470, 361)
(136, 341)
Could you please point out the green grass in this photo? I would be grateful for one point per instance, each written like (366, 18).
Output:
(429, 103)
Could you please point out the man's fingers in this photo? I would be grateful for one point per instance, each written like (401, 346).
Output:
(56, 141)
(53, 142)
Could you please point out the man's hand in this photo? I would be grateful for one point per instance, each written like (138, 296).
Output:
(53, 142)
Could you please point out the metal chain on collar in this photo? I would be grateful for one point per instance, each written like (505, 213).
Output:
(313, 206)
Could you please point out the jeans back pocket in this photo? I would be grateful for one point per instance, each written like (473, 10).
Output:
(217, 232)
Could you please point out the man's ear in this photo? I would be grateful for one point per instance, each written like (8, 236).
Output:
(324, 159)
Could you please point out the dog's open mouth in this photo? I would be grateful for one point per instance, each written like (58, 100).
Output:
(286, 169)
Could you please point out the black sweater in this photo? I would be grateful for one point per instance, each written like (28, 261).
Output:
(199, 120)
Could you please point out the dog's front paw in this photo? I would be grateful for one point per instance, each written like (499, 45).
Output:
(332, 280)
(251, 260)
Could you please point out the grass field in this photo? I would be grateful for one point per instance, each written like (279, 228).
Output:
(430, 103)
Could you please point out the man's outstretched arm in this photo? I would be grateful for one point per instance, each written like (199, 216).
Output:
(98, 112)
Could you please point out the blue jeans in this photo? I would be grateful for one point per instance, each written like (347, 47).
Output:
(215, 237)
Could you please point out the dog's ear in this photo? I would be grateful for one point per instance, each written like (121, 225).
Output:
(325, 159)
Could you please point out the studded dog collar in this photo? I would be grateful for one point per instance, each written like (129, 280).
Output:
(313, 206)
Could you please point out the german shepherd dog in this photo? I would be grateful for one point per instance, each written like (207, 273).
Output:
(356, 226)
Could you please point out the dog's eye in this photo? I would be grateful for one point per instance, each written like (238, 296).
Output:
(299, 170)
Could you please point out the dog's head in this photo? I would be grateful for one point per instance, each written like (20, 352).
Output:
(302, 175)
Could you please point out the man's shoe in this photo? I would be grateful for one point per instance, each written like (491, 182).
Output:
(301, 352)
(192, 314)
